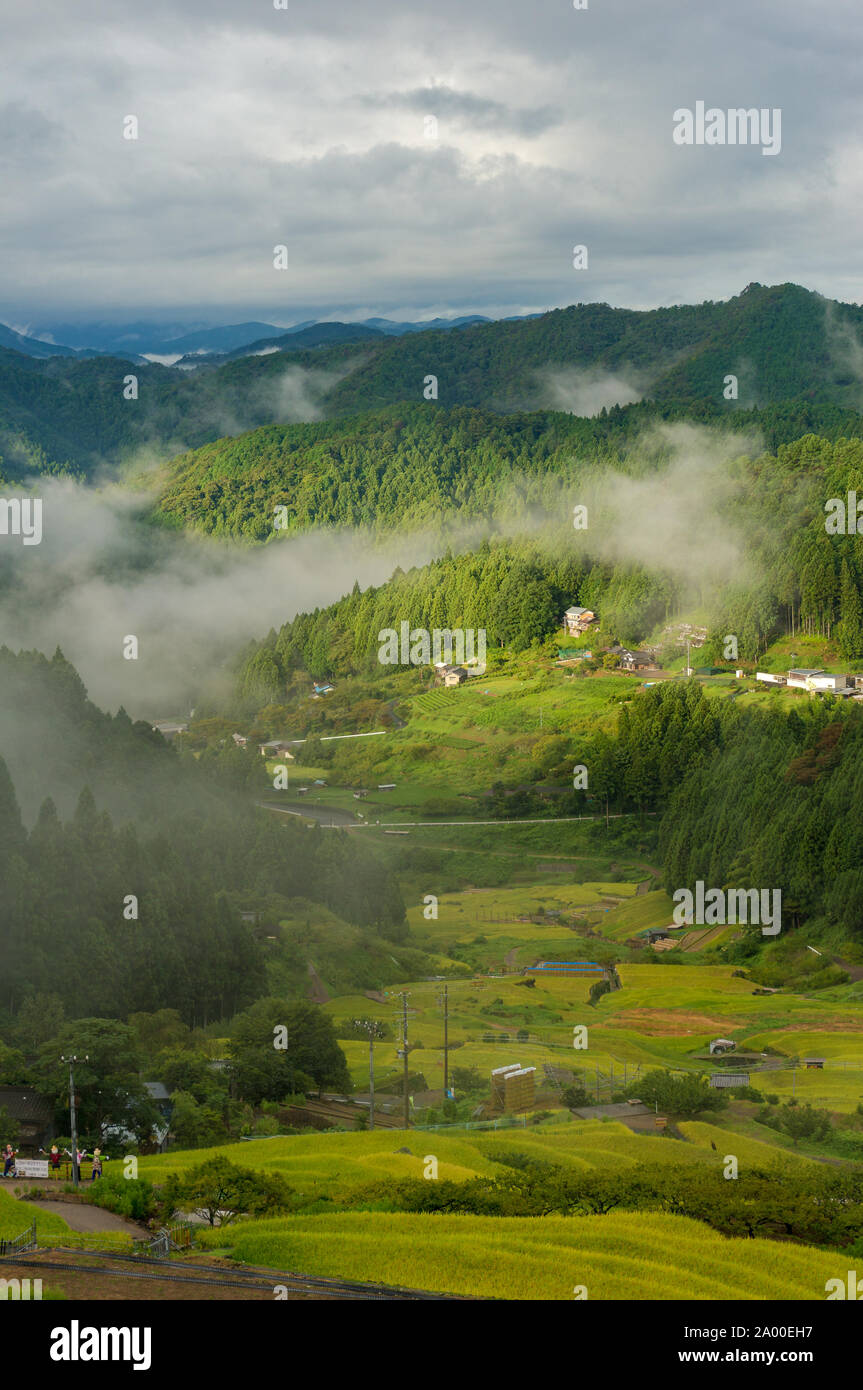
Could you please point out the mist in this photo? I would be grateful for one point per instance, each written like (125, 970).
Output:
(104, 573)
(589, 390)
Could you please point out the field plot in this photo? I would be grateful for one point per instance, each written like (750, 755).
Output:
(336, 1163)
(755, 1153)
(626, 1256)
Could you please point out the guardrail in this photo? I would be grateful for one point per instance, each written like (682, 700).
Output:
(26, 1241)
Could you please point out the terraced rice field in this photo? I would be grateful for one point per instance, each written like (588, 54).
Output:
(626, 1256)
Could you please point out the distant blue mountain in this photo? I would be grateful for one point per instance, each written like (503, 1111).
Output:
(135, 339)
(35, 347)
(395, 328)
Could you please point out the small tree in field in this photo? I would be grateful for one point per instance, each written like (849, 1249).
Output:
(219, 1191)
(679, 1095)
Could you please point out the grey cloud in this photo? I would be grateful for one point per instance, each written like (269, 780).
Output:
(469, 109)
(260, 126)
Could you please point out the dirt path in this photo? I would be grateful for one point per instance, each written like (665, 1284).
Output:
(855, 971)
(318, 991)
(81, 1217)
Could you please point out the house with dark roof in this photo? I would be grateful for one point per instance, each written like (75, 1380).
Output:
(31, 1113)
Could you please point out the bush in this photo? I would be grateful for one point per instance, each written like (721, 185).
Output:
(575, 1096)
(134, 1198)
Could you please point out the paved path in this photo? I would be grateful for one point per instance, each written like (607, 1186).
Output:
(80, 1216)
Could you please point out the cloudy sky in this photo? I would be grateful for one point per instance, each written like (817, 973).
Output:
(308, 126)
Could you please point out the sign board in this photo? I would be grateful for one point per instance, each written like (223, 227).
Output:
(31, 1167)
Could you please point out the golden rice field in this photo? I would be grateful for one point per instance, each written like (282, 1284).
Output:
(623, 1256)
(338, 1163)
(753, 1152)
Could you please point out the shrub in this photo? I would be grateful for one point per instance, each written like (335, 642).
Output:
(134, 1198)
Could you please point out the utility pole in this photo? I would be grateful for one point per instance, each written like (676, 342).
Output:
(407, 1110)
(445, 1043)
(72, 1120)
(371, 1077)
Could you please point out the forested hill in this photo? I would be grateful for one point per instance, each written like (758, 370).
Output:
(64, 416)
(416, 465)
(186, 842)
(783, 343)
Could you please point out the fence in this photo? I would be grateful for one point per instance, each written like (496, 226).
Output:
(159, 1246)
(26, 1241)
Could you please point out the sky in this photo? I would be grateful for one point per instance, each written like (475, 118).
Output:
(309, 127)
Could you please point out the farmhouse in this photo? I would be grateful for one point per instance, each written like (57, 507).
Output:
(276, 748)
(240, 740)
(578, 620)
(812, 678)
(454, 675)
(32, 1113)
(634, 661)
(803, 677)
(824, 680)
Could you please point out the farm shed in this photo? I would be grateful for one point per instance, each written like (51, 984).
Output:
(722, 1045)
(519, 1089)
(813, 1063)
(721, 1081)
(497, 1081)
